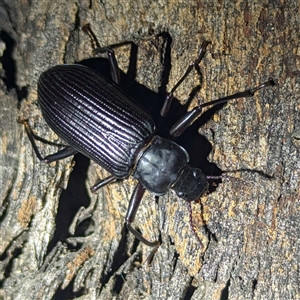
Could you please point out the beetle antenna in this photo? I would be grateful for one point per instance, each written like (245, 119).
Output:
(226, 177)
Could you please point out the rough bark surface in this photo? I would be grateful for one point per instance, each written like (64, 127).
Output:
(59, 241)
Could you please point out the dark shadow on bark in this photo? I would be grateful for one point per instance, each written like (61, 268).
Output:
(9, 66)
(71, 199)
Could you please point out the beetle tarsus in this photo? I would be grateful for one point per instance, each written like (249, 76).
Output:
(169, 97)
(270, 82)
(89, 32)
(140, 237)
(179, 127)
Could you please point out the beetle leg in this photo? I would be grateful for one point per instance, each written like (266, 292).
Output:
(64, 153)
(169, 97)
(89, 32)
(134, 203)
(114, 69)
(101, 183)
(180, 126)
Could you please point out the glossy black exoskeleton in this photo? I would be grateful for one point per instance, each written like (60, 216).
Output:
(98, 120)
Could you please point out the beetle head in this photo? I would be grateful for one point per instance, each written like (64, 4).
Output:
(191, 184)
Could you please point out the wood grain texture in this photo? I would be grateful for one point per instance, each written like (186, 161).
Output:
(59, 241)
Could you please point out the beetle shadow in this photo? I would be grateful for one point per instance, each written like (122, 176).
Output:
(197, 145)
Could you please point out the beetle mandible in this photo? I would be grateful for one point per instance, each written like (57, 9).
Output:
(96, 118)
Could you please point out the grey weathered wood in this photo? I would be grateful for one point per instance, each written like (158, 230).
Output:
(252, 226)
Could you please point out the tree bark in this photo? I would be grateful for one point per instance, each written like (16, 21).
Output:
(59, 241)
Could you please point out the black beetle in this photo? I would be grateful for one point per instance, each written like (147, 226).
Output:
(98, 120)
